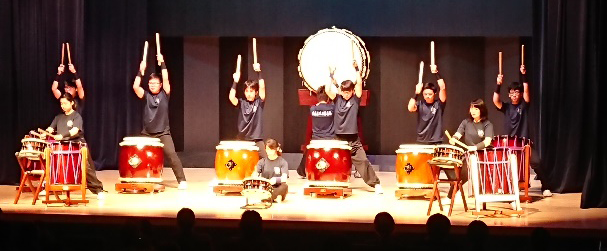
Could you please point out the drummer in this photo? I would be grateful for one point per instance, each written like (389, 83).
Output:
(347, 102)
(274, 168)
(477, 131)
(322, 122)
(72, 86)
(429, 109)
(156, 114)
(68, 126)
(250, 108)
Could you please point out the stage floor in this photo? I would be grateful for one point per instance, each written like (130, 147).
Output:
(561, 211)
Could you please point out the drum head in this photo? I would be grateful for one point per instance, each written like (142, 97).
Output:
(141, 141)
(411, 148)
(237, 145)
(332, 47)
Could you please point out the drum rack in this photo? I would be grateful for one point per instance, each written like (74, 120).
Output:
(133, 187)
(66, 188)
(227, 188)
(340, 192)
(412, 193)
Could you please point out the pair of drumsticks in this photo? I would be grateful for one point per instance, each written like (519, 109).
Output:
(522, 58)
(239, 58)
(69, 57)
(145, 48)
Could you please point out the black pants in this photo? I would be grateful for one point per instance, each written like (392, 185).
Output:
(301, 169)
(540, 173)
(463, 176)
(169, 152)
(92, 182)
(281, 190)
(359, 159)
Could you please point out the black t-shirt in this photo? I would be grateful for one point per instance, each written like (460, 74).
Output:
(249, 118)
(474, 133)
(515, 119)
(322, 121)
(156, 113)
(430, 121)
(79, 105)
(272, 168)
(62, 124)
(346, 114)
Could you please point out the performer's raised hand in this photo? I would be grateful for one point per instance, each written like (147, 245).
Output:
(160, 58)
(257, 67)
(433, 69)
(332, 71)
(142, 67)
(71, 68)
(418, 88)
(500, 79)
(236, 77)
(523, 70)
(60, 69)
(58, 137)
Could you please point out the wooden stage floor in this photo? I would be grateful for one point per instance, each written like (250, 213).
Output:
(561, 211)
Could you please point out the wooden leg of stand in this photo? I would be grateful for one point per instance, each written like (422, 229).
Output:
(24, 177)
(461, 189)
(37, 192)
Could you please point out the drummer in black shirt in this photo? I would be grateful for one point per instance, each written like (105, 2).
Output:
(322, 123)
(477, 132)
(347, 103)
(72, 86)
(429, 109)
(69, 126)
(156, 114)
(274, 168)
(250, 108)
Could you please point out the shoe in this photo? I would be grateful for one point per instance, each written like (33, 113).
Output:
(183, 185)
(279, 199)
(101, 195)
(547, 193)
(357, 174)
(378, 189)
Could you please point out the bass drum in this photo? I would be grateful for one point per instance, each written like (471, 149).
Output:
(332, 47)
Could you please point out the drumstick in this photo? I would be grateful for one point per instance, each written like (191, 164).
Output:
(500, 62)
(523, 54)
(145, 51)
(456, 140)
(421, 71)
(254, 50)
(238, 61)
(352, 47)
(158, 45)
(62, 52)
(432, 53)
(45, 132)
(69, 58)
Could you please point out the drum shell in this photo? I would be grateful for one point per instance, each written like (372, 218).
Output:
(141, 163)
(510, 142)
(245, 161)
(421, 173)
(66, 163)
(490, 163)
(448, 154)
(257, 187)
(339, 162)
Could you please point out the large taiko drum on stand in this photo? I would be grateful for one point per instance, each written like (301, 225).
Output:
(519, 146)
(235, 161)
(141, 160)
(413, 173)
(328, 163)
(66, 162)
(332, 47)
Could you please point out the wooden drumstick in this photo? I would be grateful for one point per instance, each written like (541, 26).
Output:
(158, 45)
(145, 51)
(432, 62)
(421, 71)
(62, 52)
(523, 54)
(500, 63)
(352, 47)
(456, 140)
(69, 57)
(238, 61)
(254, 50)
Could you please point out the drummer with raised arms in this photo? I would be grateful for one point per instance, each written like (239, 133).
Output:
(156, 113)
(429, 109)
(347, 102)
(274, 168)
(250, 108)
(477, 132)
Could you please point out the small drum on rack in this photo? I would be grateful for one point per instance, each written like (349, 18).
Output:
(32, 148)
(448, 154)
(141, 160)
(412, 169)
(329, 163)
(332, 47)
(257, 188)
(494, 176)
(235, 161)
(66, 161)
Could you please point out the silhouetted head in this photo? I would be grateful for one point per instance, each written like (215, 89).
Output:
(384, 224)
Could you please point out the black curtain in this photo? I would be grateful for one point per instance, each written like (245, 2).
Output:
(570, 59)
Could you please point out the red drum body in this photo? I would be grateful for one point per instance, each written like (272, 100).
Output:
(329, 162)
(518, 146)
(141, 160)
(448, 154)
(412, 168)
(66, 162)
(510, 142)
(259, 188)
(235, 161)
(494, 171)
